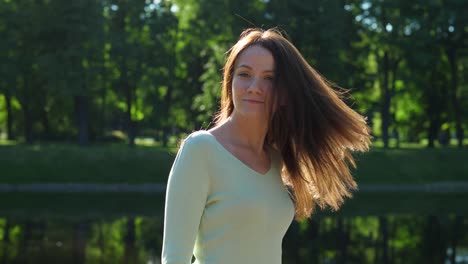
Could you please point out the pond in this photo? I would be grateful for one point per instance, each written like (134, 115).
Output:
(127, 228)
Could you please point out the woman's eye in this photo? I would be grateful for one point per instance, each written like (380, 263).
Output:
(243, 74)
(270, 78)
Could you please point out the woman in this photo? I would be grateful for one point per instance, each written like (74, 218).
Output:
(281, 126)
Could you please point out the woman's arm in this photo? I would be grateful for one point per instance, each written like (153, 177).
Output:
(186, 194)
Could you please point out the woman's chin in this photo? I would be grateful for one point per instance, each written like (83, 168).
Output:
(253, 114)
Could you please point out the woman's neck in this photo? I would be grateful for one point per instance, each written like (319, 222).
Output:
(246, 132)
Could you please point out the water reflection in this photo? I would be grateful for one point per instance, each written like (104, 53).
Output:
(138, 239)
(63, 240)
(382, 239)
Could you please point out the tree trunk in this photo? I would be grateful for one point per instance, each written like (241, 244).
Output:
(27, 113)
(433, 109)
(129, 121)
(124, 80)
(81, 112)
(24, 244)
(435, 242)
(129, 240)
(385, 111)
(28, 128)
(45, 123)
(79, 242)
(433, 127)
(102, 116)
(384, 233)
(392, 95)
(128, 102)
(452, 57)
(6, 242)
(100, 242)
(342, 242)
(167, 127)
(458, 225)
(41, 238)
(9, 117)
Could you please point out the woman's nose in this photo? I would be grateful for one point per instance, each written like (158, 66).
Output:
(255, 85)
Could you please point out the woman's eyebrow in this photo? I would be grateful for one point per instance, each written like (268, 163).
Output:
(250, 68)
(245, 66)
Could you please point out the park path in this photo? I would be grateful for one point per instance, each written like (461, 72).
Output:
(439, 187)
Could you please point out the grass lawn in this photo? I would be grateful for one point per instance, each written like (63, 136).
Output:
(64, 163)
(412, 165)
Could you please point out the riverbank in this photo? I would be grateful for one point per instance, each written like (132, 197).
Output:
(160, 188)
(27, 204)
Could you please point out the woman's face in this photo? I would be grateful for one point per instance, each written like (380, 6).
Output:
(252, 82)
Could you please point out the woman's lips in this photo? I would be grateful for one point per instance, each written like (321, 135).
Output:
(253, 101)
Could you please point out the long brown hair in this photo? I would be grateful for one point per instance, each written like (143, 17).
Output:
(310, 125)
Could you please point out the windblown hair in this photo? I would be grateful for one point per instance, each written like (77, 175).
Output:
(310, 125)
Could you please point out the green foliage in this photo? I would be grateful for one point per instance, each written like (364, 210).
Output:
(156, 65)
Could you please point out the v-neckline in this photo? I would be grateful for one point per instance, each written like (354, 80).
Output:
(223, 148)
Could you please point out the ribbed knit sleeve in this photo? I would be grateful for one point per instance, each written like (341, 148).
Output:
(186, 195)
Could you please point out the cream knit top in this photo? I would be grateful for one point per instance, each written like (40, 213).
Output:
(222, 211)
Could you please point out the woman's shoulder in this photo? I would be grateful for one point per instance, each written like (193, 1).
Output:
(199, 144)
(199, 138)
